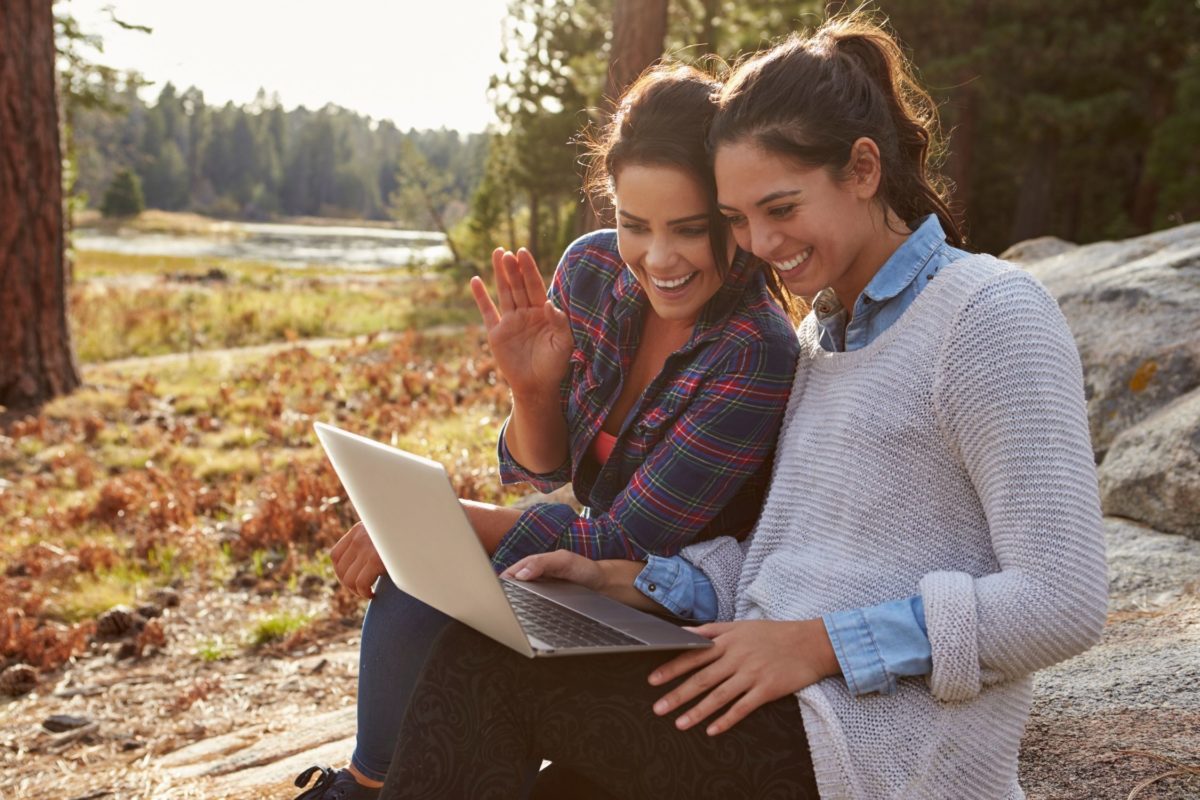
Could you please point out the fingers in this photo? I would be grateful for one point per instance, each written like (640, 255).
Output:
(698, 683)
(561, 564)
(349, 536)
(722, 695)
(483, 301)
(527, 569)
(362, 573)
(683, 664)
(531, 279)
(693, 659)
(500, 269)
(737, 712)
(355, 561)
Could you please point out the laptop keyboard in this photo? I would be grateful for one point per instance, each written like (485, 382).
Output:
(558, 626)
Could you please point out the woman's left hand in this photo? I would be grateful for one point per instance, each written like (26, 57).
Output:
(751, 662)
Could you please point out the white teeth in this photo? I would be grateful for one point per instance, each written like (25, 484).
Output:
(675, 284)
(792, 263)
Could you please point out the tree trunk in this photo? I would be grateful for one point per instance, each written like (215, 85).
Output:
(962, 150)
(709, 43)
(1144, 197)
(639, 32)
(36, 360)
(1032, 216)
(639, 35)
(535, 227)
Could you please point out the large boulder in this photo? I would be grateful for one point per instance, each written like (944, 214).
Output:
(1134, 307)
(1114, 717)
(1152, 471)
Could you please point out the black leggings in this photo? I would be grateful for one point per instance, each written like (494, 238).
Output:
(482, 716)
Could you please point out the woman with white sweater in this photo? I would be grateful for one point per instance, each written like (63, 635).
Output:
(932, 532)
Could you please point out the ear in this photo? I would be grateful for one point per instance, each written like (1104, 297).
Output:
(865, 170)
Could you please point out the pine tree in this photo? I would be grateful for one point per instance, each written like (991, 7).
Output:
(124, 196)
(36, 359)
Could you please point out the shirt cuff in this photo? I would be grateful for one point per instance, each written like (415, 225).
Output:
(511, 471)
(537, 530)
(876, 645)
(678, 586)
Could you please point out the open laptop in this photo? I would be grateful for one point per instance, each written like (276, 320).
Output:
(430, 550)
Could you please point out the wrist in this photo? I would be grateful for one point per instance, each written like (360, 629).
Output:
(617, 575)
(536, 398)
(826, 656)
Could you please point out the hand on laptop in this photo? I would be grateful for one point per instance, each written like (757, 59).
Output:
(356, 561)
(613, 577)
(561, 564)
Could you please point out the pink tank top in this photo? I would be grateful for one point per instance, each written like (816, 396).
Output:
(602, 447)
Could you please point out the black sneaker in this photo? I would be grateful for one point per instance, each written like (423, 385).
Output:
(333, 785)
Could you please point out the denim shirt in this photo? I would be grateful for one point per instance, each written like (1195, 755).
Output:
(876, 645)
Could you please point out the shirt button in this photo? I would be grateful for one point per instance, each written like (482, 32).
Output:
(653, 587)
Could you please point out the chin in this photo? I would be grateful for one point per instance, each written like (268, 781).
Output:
(672, 314)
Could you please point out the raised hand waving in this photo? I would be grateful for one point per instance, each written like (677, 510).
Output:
(530, 337)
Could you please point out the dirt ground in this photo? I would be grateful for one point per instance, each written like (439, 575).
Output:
(171, 725)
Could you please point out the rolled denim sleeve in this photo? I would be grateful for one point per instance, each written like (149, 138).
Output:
(679, 587)
(877, 645)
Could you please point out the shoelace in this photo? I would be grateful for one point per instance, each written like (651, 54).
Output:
(323, 782)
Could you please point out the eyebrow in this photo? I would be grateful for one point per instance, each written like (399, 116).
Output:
(679, 221)
(771, 198)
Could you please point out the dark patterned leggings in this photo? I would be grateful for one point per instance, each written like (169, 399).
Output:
(482, 716)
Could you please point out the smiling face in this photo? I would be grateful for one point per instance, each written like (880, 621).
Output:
(815, 230)
(663, 221)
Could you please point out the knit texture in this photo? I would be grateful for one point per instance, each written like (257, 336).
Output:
(949, 458)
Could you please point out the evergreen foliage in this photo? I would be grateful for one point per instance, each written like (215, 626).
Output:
(1077, 120)
(259, 160)
(123, 198)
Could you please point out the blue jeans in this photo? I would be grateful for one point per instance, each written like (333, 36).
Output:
(397, 636)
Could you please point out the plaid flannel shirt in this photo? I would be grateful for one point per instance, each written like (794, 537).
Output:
(692, 459)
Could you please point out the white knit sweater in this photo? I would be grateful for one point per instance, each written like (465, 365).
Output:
(950, 458)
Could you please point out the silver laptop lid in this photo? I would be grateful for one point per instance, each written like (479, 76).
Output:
(426, 542)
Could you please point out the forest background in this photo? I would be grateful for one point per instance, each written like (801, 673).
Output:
(1072, 119)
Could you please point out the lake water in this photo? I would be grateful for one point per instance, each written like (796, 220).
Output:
(285, 245)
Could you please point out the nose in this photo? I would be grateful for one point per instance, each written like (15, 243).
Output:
(660, 255)
(762, 240)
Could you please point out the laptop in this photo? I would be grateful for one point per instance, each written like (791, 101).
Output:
(430, 550)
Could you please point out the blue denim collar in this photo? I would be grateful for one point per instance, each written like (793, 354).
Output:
(906, 263)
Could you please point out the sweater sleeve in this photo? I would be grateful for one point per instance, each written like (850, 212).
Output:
(1009, 398)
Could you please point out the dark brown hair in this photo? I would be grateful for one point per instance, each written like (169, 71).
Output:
(662, 120)
(811, 97)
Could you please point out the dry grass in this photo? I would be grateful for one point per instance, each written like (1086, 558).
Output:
(138, 305)
(177, 475)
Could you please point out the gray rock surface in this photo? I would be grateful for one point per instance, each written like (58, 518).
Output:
(1134, 307)
(1120, 713)
(1037, 249)
(1152, 471)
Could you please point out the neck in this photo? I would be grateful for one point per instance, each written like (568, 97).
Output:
(890, 233)
(675, 331)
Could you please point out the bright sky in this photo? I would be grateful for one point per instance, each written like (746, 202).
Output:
(420, 63)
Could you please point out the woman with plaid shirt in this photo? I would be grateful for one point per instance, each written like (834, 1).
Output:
(653, 378)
